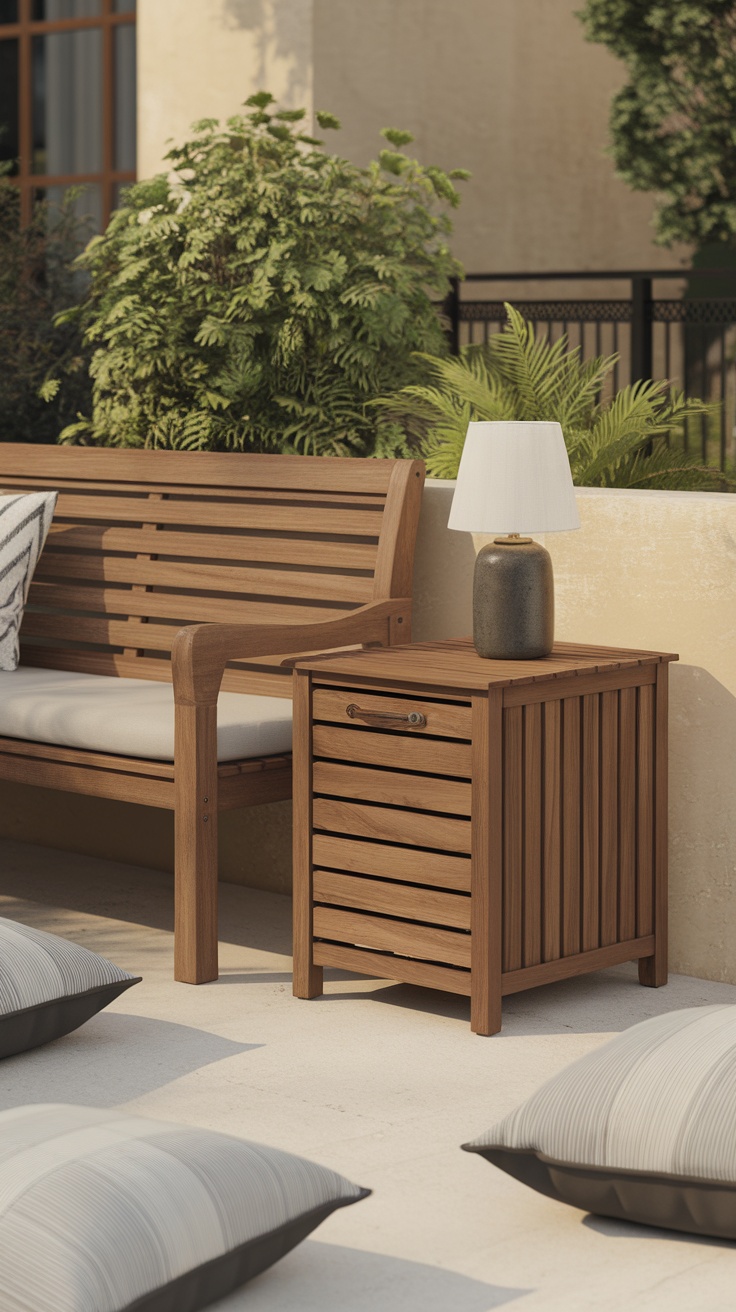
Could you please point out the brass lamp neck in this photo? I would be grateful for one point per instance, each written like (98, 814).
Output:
(511, 540)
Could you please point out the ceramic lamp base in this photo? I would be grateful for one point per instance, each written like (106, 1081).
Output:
(513, 600)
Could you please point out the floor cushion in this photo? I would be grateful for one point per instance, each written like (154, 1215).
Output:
(24, 524)
(49, 986)
(642, 1128)
(131, 717)
(101, 1211)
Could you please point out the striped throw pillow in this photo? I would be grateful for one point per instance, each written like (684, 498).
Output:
(641, 1129)
(24, 523)
(49, 986)
(101, 1211)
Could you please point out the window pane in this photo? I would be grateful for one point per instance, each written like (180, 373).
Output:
(125, 98)
(9, 102)
(8, 11)
(67, 102)
(49, 10)
(124, 6)
(87, 207)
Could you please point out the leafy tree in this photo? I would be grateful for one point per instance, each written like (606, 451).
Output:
(672, 124)
(37, 281)
(517, 375)
(262, 294)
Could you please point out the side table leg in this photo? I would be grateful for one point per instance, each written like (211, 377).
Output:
(307, 978)
(653, 970)
(486, 841)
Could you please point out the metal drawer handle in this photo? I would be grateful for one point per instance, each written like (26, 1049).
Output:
(415, 718)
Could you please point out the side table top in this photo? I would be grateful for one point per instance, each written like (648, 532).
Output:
(454, 662)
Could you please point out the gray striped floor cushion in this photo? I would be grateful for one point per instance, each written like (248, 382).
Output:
(643, 1128)
(24, 523)
(105, 1212)
(49, 986)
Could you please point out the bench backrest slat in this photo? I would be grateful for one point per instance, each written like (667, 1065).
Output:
(145, 541)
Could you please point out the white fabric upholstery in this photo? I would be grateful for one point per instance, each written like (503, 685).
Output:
(131, 717)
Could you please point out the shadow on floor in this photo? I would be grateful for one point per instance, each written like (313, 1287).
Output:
(114, 1058)
(319, 1277)
(612, 1228)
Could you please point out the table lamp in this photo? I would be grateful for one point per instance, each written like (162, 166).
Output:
(514, 478)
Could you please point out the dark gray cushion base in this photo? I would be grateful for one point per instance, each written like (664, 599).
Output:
(32, 1026)
(215, 1279)
(701, 1207)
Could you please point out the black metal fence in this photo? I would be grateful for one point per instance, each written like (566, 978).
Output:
(687, 335)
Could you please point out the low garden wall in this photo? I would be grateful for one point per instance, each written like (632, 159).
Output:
(649, 569)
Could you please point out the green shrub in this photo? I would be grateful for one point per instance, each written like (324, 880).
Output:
(262, 294)
(37, 281)
(630, 440)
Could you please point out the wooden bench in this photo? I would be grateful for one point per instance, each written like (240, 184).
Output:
(206, 570)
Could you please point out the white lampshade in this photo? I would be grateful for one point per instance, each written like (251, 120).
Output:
(514, 477)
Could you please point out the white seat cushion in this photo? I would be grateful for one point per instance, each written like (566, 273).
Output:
(131, 717)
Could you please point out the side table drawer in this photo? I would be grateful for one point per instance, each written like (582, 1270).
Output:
(440, 719)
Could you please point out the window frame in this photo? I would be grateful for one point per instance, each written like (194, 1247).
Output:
(24, 30)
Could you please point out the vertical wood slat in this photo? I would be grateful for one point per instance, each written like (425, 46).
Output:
(307, 978)
(143, 587)
(608, 817)
(653, 970)
(512, 837)
(486, 905)
(571, 901)
(627, 814)
(552, 835)
(590, 822)
(645, 812)
(532, 917)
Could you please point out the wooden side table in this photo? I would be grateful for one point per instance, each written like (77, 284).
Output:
(480, 826)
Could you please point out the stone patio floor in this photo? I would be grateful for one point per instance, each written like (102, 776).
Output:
(380, 1081)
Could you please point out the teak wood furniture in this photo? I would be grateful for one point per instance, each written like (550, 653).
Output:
(476, 825)
(279, 555)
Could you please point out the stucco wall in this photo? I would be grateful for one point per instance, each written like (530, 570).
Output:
(506, 88)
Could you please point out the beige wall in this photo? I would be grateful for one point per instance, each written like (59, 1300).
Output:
(506, 88)
(203, 58)
(649, 569)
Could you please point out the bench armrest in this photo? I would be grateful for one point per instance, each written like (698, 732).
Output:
(200, 652)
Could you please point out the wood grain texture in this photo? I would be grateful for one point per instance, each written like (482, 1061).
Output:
(653, 968)
(627, 814)
(645, 814)
(195, 827)
(487, 864)
(590, 874)
(442, 721)
(609, 864)
(407, 864)
(549, 972)
(551, 909)
(450, 947)
(378, 965)
(307, 978)
(513, 838)
(384, 824)
(532, 828)
(571, 826)
(400, 750)
(425, 905)
(392, 787)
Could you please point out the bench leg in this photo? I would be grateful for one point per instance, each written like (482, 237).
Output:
(195, 896)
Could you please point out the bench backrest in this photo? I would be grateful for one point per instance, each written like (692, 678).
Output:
(143, 542)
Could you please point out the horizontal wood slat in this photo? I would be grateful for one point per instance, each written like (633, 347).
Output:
(241, 547)
(401, 863)
(392, 749)
(378, 965)
(443, 945)
(147, 791)
(383, 824)
(548, 972)
(244, 515)
(379, 895)
(226, 469)
(212, 578)
(442, 720)
(95, 760)
(392, 787)
(185, 608)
